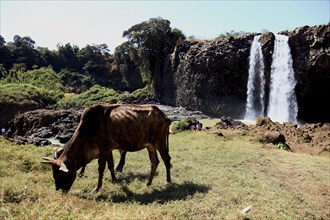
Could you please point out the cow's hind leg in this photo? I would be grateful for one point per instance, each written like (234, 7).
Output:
(121, 163)
(167, 161)
(111, 167)
(154, 163)
(101, 168)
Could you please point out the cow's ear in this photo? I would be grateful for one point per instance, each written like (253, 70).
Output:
(48, 160)
(63, 167)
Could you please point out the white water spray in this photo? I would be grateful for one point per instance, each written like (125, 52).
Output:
(255, 103)
(282, 105)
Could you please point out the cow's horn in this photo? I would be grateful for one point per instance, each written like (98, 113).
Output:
(48, 160)
(63, 167)
(58, 151)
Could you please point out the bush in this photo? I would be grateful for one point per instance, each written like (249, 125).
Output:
(74, 81)
(180, 126)
(27, 94)
(96, 94)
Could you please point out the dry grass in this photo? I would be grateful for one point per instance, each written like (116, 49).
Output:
(213, 178)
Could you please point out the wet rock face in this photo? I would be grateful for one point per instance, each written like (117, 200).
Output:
(211, 76)
(34, 127)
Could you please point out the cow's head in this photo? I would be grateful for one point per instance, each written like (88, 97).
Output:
(64, 176)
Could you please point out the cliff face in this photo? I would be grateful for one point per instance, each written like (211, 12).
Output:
(212, 76)
(310, 48)
(208, 76)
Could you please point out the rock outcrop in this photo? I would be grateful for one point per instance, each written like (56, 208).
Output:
(35, 127)
(211, 76)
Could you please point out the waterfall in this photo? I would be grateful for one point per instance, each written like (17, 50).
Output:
(282, 105)
(255, 105)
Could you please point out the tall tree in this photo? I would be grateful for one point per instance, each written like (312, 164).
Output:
(23, 51)
(68, 55)
(151, 41)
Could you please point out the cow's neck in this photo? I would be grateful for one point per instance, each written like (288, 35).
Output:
(80, 152)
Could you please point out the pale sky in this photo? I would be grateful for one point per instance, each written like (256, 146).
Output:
(96, 22)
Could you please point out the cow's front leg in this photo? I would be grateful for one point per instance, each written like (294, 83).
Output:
(82, 171)
(111, 167)
(154, 163)
(101, 163)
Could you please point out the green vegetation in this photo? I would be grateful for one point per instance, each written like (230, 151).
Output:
(230, 34)
(135, 65)
(180, 126)
(96, 94)
(213, 178)
(27, 94)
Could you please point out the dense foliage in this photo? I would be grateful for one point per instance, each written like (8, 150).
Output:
(134, 65)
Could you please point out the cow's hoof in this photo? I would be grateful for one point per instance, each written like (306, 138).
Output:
(96, 189)
(119, 170)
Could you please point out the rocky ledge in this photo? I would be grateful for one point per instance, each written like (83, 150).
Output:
(39, 126)
(311, 139)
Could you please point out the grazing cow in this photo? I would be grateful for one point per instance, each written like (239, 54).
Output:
(103, 128)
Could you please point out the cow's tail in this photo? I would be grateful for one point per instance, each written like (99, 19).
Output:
(167, 138)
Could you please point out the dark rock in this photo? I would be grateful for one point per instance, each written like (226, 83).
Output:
(34, 126)
(63, 138)
(273, 137)
(260, 121)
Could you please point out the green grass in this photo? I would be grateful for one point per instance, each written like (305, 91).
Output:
(213, 178)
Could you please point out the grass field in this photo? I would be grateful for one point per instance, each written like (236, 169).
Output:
(213, 178)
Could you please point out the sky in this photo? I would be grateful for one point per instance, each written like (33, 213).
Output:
(103, 22)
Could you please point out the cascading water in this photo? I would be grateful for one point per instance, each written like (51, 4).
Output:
(282, 105)
(255, 105)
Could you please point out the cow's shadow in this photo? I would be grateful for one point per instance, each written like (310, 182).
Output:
(161, 195)
(170, 192)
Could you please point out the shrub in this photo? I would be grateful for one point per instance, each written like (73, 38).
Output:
(180, 126)
(27, 94)
(96, 94)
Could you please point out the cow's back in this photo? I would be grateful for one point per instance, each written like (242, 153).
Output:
(132, 127)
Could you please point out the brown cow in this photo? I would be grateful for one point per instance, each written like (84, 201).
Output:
(103, 128)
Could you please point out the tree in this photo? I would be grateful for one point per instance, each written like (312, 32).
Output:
(96, 61)
(130, 77)
(68, 57)
(23, 51)
(150, 41)
(2, 41)
(5, 54)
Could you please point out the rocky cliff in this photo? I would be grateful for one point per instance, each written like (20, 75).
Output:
(212, 76)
